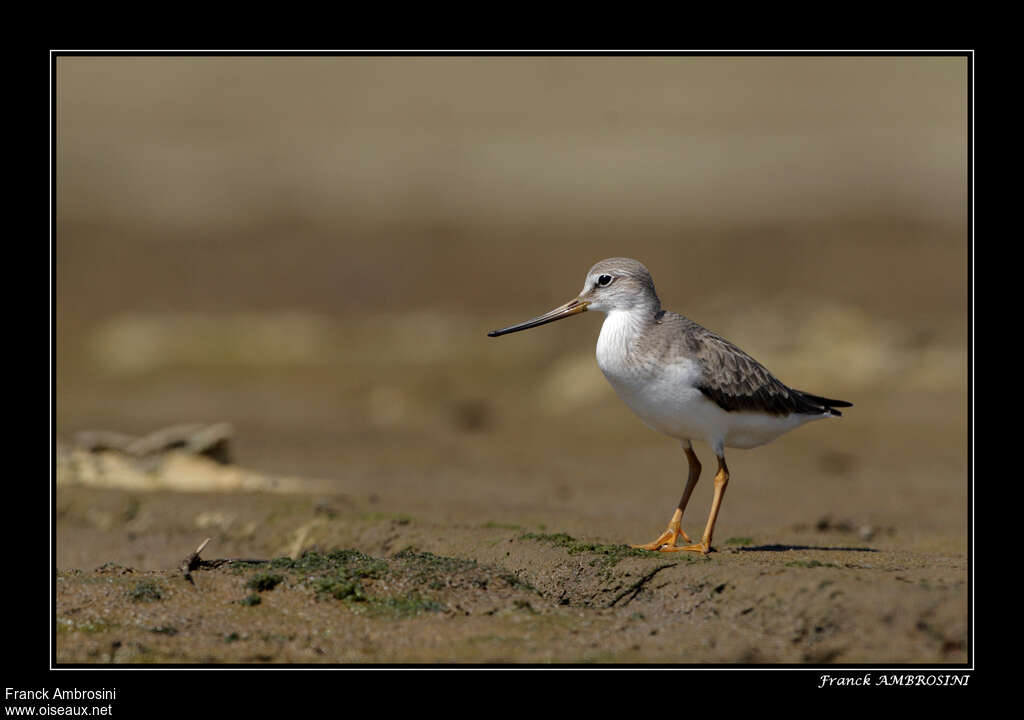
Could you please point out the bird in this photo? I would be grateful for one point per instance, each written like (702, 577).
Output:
(684, 381)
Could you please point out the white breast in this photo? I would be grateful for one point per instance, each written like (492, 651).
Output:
(619, 331)
(664, 393)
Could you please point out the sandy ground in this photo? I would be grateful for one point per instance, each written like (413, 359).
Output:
(313, 250)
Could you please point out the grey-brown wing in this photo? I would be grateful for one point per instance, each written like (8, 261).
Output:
(735, 381)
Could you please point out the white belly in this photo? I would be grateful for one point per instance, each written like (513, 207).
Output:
(666, 398)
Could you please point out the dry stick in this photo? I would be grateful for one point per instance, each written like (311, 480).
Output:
(192, 561)
(636, 587)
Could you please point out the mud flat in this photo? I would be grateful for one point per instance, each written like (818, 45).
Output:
(313, 578)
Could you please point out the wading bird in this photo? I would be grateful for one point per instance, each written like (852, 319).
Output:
(683, 380)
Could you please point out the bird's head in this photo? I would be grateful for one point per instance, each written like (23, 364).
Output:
(619, 284)
(612, 284)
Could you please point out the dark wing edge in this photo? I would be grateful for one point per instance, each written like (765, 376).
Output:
(827, 404)
(735, 382)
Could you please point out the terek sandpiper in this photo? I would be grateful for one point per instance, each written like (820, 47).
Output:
(683, 380)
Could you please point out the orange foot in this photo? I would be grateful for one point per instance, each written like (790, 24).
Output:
(700, 547)
(666, 542)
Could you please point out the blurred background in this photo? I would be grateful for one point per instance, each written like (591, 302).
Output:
(313, 249)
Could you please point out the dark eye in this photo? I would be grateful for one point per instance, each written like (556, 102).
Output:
(604, 280)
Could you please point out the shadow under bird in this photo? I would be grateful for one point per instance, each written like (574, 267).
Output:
(683, 380)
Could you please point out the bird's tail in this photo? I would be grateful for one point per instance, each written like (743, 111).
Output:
(827, 405)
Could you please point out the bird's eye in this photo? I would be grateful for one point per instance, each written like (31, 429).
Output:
(604, 280)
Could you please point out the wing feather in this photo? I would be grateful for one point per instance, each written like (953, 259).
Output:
(730, 377)
(735, 381)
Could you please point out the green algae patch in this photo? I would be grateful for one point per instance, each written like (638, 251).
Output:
(340, 587)
(556, 539)
(350, 562)
(350, 576)
(264, 582)
(145, 591)
(405, 605)
(809, 564)
(426, 566)
(610, 555)
(360, 600)
(338, 574)
(514, 581)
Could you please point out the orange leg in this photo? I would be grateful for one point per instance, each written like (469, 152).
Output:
(721, 480)
(675, 530)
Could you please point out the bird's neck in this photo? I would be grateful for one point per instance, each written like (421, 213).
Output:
(618, 333)
(636, 317)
